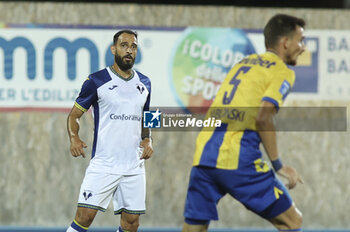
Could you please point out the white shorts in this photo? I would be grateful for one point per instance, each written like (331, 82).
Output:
(128, 192)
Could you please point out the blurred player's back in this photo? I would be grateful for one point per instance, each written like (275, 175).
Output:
(257, 77)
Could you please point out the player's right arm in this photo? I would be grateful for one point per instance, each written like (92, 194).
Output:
(278, 87)
(266, 128)
(87, 96)
(76, 144)
(267, 131)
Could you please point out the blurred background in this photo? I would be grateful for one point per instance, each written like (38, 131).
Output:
(47, 49)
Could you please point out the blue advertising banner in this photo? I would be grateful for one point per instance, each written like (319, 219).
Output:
(42, 67)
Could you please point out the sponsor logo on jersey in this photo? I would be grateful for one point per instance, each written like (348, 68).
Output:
(125, 117)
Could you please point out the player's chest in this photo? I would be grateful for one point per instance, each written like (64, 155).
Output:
(123, 93)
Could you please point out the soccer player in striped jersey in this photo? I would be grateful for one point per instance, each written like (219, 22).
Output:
(118, 95)
(228, 159)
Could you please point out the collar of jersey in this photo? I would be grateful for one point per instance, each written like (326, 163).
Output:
(125, 79)
(274, 55)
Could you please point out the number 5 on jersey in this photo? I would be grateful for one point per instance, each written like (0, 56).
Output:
(235, 82)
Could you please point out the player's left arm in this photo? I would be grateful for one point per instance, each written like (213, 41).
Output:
(146, 142)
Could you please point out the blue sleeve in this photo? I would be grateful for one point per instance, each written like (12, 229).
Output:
(147, 82)
(148, 101)
(87, 95)
(273, 101)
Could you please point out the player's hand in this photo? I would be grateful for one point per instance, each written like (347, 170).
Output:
(146, 144)
(77, 147)
(291, 175)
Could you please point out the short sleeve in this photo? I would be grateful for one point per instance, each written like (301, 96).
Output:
(279, 88)
(87, 95)
(147, 103)
(147, 82)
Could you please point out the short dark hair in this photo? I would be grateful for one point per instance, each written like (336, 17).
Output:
(116, 36)
(278, 26)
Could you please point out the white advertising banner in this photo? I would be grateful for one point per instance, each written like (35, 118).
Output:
(43, 66)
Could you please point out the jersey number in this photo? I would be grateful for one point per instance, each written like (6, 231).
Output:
(227, 99)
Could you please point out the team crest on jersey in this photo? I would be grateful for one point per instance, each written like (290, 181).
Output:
(87, 194)
(141, 88)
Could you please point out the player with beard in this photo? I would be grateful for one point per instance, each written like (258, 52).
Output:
(118, 95)
(228, 160)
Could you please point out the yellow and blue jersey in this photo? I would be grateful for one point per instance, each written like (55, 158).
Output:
(235, 144)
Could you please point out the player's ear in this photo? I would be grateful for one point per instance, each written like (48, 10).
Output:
(113, 49)
(285, 40)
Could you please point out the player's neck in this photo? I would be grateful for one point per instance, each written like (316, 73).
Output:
(124, 74)
(276, 52)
